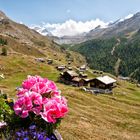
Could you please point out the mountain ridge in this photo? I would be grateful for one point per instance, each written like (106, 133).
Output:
(120, 26)
(25, 41)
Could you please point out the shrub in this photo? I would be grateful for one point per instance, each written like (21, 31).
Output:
(4, 51)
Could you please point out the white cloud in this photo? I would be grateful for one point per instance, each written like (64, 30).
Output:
(71, 27)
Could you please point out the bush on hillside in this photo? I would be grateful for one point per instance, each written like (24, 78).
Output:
(4, 51)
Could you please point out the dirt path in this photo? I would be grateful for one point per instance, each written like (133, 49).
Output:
(117, 65)
(113, 49)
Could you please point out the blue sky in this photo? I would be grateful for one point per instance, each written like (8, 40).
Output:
(58, 11)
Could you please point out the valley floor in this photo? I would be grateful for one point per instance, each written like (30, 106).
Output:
(90, 117)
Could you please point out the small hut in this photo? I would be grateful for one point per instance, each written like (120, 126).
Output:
(83, 68)
(86, 82)
(76, 81)
(103, 82)
(80, 81)
(49, 61)
(83, 75)
(67, 76)
(40, 60)
(69, 68)
(61, 68)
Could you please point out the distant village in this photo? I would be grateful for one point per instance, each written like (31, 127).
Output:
(78, 77)
(102, 84)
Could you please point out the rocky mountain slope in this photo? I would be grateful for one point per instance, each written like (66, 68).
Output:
(25, 41)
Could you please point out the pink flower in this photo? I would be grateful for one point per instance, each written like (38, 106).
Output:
(31, 80)
(22, 106)
(54, 108)
(40, 87)
(22, 92)
(42, 97)
(55, 93)
(36, 99)
(51, 85)
(45, 87)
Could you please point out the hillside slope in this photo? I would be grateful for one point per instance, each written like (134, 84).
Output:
(101, 117)
(25, 41)
(21, 39)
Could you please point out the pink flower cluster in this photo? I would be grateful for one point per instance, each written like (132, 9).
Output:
(42, 97)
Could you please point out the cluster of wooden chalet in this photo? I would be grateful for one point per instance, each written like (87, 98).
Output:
(72, 78)
(43, 60)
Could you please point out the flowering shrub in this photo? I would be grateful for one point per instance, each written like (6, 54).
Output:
(40, 96)
(40, 104)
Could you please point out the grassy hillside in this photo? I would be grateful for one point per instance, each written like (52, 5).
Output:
(101, 117)
(114, 55)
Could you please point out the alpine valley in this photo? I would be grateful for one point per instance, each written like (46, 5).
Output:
(111, 51)
(114, 49)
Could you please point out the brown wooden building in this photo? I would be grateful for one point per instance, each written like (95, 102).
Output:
(83, 75)
(61, 68)
(103, 82)
(72, 78)
(49, 61)
(67, 76)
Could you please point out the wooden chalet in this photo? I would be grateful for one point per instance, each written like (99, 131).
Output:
(76, 81)
(98, 72)
(40, 60)
(69, 62)
(69, 75)
(61, 68)
(69, 68)
(83, 68)
(103, 82)
(49, 61)
(72, 78)
(83, 75)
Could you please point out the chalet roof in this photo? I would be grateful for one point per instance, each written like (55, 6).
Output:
(83, 74)
(83, 67)
(61, 67)
(49, 60)
(61, 73)
(72, 73)
(70, 68)
(106, 80)
(40, 59)
(76, 79)
(86, 79)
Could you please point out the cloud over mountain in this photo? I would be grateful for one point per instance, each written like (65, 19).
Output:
(70, 27)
